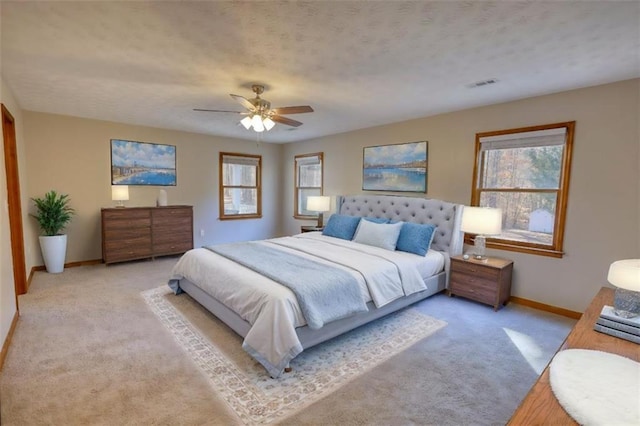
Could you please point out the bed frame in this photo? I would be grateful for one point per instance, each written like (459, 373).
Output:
(448, 239)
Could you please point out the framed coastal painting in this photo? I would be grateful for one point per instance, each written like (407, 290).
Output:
(400, 167)
(141, 163)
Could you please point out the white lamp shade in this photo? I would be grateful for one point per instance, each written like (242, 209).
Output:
(257, 123)
(318, 203)
(120, 193)
(246, 122)
(482, 220)
(625, 274)
(268, 123)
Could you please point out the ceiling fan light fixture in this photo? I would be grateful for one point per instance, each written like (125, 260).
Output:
(259, 114)
(268, 123)
(257, 123)
(246, 122)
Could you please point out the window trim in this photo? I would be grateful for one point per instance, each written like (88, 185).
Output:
(296, 188)
(221, 187)
(556, 248)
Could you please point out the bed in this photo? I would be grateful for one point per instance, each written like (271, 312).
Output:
(276, 321)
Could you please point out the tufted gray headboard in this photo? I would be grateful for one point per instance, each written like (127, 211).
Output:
(444, 215)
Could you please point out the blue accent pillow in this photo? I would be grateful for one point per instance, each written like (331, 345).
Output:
(377, 219)
(341, 226)
(415, 238)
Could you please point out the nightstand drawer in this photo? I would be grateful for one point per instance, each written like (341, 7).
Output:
(482, 295)
(480, 271)
(463, 280)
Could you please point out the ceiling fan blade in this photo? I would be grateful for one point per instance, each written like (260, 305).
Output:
(216, 110)
(285, 120)
(244, 102)
(292, 109)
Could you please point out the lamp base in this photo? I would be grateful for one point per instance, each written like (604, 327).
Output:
(120, 204)
(320, 220)
(479, 245)
(626, 303)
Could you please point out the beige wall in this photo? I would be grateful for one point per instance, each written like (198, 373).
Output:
(603, 210)
(72, 156)
(7, 286)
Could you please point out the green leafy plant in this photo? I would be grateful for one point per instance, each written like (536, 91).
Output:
(53, 212)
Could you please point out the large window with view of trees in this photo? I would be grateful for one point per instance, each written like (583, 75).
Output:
(240, 186)
(307, 182)
(525, 173)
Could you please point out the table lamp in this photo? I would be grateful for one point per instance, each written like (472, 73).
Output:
(481, 221)
(120, 194)
(625, 275)
(320, 204)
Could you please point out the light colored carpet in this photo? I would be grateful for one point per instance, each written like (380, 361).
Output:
(88, 351)
(244, 383)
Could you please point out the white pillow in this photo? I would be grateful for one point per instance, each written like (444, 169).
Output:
(383, 235)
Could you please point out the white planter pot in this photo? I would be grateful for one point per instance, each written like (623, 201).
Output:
(54, 251)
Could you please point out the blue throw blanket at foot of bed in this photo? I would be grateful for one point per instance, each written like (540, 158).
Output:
(325, 293)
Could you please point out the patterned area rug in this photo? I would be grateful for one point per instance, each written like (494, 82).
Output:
(258, 399)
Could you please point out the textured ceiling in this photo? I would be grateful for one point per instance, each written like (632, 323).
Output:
(357, 63)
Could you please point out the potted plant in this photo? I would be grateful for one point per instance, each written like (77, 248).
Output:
(53, 213)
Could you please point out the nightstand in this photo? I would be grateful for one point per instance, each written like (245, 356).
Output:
(311, 228)
(486, 281)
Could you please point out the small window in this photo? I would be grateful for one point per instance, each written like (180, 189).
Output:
(240, 186)
(308, 181)
(525, 172)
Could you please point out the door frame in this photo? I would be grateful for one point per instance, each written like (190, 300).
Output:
(14, 203)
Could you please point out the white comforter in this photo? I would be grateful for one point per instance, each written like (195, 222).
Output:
(272, 309)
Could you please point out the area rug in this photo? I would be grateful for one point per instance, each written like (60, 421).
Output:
(245, 385)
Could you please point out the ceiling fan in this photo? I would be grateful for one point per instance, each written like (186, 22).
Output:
(259, 113)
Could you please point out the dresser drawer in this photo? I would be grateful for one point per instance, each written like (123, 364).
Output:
(173, 236)
(121, 225)
(172, 247)
(126, 214)
(127, 253)
(178, 224)
(170, 215)
(134, 241)
(119, 235)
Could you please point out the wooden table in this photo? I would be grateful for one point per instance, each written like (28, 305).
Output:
(540, 406)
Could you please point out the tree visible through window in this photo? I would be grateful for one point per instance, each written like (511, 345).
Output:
(240, 186)
(525, 172)
(308, 181)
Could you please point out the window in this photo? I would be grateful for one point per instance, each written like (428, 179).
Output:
(240, 186)
(525, 172)
(308, 181)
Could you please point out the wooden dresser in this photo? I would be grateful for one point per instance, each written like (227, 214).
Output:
(142, 232)
(540, 406)
(487, 281)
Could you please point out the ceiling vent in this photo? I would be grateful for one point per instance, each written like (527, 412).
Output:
(482, 83)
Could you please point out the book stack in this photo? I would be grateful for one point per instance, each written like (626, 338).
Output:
(612, 324)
